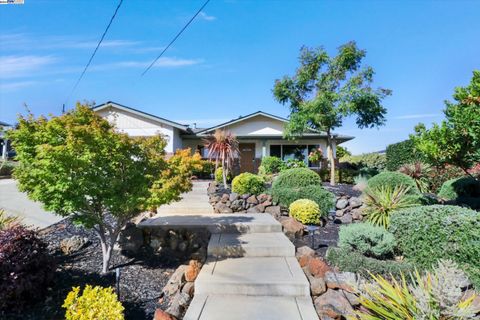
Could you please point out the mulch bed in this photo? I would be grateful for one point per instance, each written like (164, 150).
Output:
(142, 278)
(327, 236)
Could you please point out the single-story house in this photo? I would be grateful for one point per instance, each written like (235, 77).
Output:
(259, 134)
(4, 143)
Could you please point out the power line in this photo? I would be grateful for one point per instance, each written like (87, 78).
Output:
(175, 38)
(94, 52)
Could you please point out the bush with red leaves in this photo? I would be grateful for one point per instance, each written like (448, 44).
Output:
(26, 268)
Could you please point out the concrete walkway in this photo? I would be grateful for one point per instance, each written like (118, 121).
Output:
(193, 202)
(16, 203)
(251, 271)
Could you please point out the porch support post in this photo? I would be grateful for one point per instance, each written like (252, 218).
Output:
(4, 149)
(264, 148)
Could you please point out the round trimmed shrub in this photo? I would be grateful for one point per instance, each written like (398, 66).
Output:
(296, 177)
(270, 165)
(248, 183)
(463, 190)
(429, 233)
(94, 303)
(392, 180)
(26, 268)
(324, 198)
(367, 239)
(306, 211)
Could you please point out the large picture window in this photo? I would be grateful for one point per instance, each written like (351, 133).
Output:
(293, 151)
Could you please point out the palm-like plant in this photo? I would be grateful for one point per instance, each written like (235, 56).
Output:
(382, 201)
(418, 172)
(222, 147)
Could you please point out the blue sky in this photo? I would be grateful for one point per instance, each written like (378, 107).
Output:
(226, 62)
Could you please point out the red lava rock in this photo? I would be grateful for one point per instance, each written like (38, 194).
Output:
(162, 315)
(304, 260)
(192, 270)
(317, 267)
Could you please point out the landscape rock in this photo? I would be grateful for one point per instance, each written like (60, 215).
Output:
(178, 304)
(162, 315)
(192, 270)
(355, 202)
(263, 197)
(237, 205)
(189, 288)
(341, 280)
(292, 228)
(342, 203)
(346, 218)
(233, 196)
(212, 187)
(351, 297)
(255, 209)
(74, 243)
(339, 212)
(275, 211)
(317, 286)
(333, 304)
(317, 267)
(225, 197)
(222, 208)
(357, 214)
(305, 251)
(252, 199)
(175, 282)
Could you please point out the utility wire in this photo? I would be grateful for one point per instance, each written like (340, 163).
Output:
(175, 38)
(94, 52)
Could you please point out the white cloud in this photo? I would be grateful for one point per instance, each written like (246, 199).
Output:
(166, 62)
(18, 66)
(417, 116)
(12, 86)
(205, 16)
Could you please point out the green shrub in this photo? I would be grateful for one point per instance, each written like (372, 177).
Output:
(367, 239)
(352, 261)
(341, 175)
(401, 153)
(463, 190)
(248, 183)
(429, 233)
(6, 168)
(392, 180)
(374, 161)
(219, 175)
(296, 177)
(206, 168)
(270, 165)
(381, 202)
(94, 303)
(306, 211)
(324, 198)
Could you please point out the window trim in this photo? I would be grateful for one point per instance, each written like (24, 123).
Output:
(288, 144)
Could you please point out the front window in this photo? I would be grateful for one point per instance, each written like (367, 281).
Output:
(292, 151)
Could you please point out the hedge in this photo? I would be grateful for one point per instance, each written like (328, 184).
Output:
(373, 161)
(463, 190)
(351, 261)
(248, 183)
(429, 233)
(401, 153)
(296, 177)
(341, 175)
(324, 198)
(393, 179)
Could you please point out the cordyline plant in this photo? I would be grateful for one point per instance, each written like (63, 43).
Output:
(222, 147)
(77, 165)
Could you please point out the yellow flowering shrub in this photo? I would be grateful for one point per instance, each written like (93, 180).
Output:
(306, 211)
(93, 304)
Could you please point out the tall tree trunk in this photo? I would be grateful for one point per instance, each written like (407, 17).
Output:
(331, 158)
(107, 242)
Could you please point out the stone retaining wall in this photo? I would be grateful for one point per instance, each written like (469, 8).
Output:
(348, 209)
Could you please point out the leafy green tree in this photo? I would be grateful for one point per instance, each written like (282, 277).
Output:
(327, 89)
(77, 165)
(456, 140)
(342, 152)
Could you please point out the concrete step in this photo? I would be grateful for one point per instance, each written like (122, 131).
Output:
(189, 210)
(216, 223)
(237, 307)
(250, 245)
(257, 276)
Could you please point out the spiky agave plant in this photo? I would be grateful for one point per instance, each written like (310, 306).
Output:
(384, 200)
(222, 147)
(418, 172)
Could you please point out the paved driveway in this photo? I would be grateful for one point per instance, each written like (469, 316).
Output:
(17, 204)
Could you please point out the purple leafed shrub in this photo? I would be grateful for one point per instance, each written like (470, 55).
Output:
(26, 268)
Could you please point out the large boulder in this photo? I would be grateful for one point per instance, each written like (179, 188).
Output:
(175, 282)
(275, 211)
(304, 251)
(292, 228)
(317, 286)
(317, 267)
(355, 202)
(178, 304)
(342, 203)
(252, 199)
(74, 243)
(192, 270)
(341, 280)
(333, 304)
(221, 207)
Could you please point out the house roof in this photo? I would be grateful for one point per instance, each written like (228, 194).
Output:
(243, 118)
(140, 113)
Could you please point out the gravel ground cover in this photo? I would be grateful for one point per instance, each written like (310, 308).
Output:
(142, 278)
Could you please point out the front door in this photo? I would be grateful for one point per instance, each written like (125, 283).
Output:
(247, 157)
